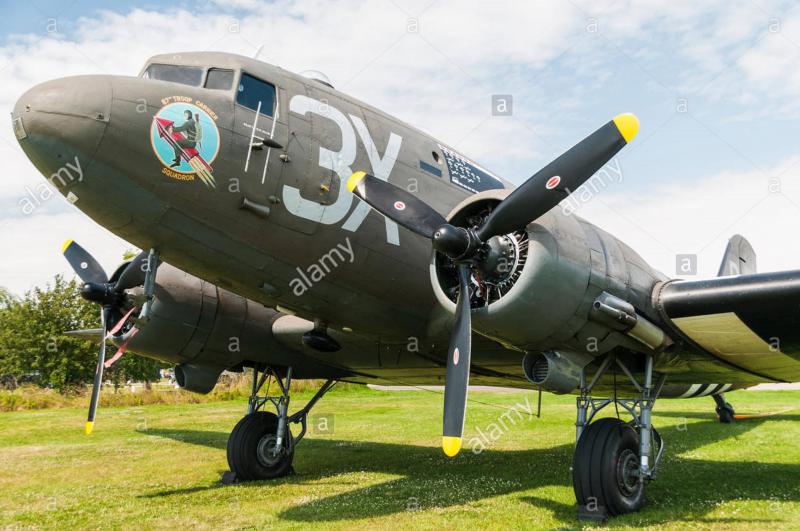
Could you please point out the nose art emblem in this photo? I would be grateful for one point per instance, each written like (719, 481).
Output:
(186, 140)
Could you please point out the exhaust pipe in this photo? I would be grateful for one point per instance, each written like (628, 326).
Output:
(621, 316)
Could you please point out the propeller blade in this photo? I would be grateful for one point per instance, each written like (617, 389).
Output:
(458, 363)
(105, 314)
(553, 183)
(84, 264)
(401, 206)
(133, 274)
(91, 334)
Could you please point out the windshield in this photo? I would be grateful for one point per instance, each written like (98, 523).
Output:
(185, 75)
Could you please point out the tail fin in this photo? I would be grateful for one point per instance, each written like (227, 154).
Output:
(739, 258)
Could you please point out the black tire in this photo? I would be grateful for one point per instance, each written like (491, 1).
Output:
(248, 446)
(605, 457)
(726, 414)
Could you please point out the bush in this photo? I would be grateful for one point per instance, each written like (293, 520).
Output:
(230, 387)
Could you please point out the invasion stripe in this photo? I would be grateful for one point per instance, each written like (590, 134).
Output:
(692, 389)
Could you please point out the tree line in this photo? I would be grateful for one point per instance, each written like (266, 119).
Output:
(35, 350)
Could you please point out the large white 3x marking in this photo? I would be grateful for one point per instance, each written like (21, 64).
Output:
(340, 162)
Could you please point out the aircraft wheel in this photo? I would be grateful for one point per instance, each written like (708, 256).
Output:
(605, 468)
(250, 448)
(726, 414)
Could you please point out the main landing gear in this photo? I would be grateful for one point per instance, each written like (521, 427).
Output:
(261, 446)
(725, 411)
(613, 459)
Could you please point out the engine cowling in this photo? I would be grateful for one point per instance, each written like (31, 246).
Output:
(536, 290)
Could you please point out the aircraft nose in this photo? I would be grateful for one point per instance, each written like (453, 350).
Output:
(60, 123)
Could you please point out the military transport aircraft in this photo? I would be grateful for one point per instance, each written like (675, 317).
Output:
(294, 230)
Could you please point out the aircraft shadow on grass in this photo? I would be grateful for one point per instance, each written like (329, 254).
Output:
(688, 487)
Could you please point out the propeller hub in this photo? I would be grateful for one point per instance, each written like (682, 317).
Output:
(455, 242)
(98, 293)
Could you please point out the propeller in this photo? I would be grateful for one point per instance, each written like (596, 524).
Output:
(468, 247)
(458, 362)
(110, 295)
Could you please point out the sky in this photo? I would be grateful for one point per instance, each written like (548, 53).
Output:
(715, 84)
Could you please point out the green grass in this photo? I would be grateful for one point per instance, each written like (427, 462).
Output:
(159, 466)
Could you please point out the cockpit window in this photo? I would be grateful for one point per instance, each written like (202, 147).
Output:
(256, 94)
(185, 75)
(219, 79)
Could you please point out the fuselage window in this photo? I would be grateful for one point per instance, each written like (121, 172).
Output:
(185, 75)
(219, 79)
(256, 94)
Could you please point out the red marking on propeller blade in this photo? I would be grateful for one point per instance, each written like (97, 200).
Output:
(399, 205)
(552, 182)
(455, 357)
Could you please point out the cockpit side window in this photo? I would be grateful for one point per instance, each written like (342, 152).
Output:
(185, 75)
(219, 79)
(256, 94)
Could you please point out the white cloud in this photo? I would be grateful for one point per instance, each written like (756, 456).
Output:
(700, 217)
(33, 243)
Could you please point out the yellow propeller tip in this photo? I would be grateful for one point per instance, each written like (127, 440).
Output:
(89, 427)
(354, 179)
(628, 125)
(64, 247)
(451, 445)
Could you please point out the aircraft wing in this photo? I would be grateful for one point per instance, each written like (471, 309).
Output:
(750, 321)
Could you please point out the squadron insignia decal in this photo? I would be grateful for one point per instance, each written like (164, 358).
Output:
(185, 139)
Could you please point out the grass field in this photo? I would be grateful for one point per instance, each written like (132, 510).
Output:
(380, 466)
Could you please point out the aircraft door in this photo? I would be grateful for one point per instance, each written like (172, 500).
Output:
(300, 193)
(261, 135)
(321, 134)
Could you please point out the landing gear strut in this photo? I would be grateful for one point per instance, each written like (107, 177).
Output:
(261, 446)
(613, 460)
(725, 411)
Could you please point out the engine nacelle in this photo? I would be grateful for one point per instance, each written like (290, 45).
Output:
(202, 328)
(537, 289)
